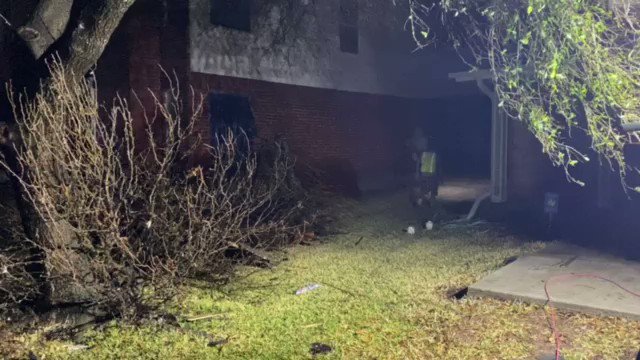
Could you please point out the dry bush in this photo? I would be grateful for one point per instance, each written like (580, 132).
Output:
(123, 220)
(233, 205)
(17, 284)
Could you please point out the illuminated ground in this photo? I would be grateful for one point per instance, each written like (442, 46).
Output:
(384, 298)
(463, 189)
(576, 279)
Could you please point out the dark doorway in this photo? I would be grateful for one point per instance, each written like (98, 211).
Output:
(459, 131)
(462, 136)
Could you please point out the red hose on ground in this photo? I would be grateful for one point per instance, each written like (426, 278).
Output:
(553, 320)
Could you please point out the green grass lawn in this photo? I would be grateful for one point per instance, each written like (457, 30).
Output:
(385, 298)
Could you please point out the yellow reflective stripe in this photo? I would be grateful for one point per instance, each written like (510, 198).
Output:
(428, 163)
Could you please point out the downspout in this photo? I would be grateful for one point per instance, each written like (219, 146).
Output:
(476, 205)
(498, 146)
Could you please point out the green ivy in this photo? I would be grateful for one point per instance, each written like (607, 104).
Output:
(561, 66)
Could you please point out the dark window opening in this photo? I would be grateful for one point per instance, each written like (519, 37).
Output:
(349, 34)
(349, 39)
(233, 14)
(231, 113)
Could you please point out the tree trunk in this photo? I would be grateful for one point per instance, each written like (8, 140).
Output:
(79, 42)
(97, 22)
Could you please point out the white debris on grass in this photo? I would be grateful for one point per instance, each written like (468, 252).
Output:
(308, 288)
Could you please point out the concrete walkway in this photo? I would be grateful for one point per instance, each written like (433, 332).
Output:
(454, 190)
(560, 266)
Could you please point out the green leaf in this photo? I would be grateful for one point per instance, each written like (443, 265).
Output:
(425, 34)
(529, 10)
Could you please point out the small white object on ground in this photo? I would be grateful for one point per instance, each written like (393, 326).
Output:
(428, 225)
(307, 289)
(411, 230)
(77, 347)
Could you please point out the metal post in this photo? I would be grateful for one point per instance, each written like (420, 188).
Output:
(499, 134)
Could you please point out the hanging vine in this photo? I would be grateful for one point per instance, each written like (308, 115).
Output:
(560, 66)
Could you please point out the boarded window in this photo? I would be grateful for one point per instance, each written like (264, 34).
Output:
(231, 113)
(349, 35)
(233, 14)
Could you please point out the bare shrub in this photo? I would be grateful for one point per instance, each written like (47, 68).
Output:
(123, 218)
(228, 205)
(18, 265)
(17, 284)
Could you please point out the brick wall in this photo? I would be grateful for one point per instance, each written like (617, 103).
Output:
(112, 70)
(144, 61)
(579, 220)
(528, 167)
(354, 139)
(147, 53)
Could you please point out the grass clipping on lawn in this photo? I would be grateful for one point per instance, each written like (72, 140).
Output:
(382, 299)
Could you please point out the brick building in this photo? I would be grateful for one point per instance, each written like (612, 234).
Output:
(342, 85)
(340, 81)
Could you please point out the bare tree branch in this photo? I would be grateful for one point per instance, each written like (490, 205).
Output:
(5, 21)
(47, 25)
